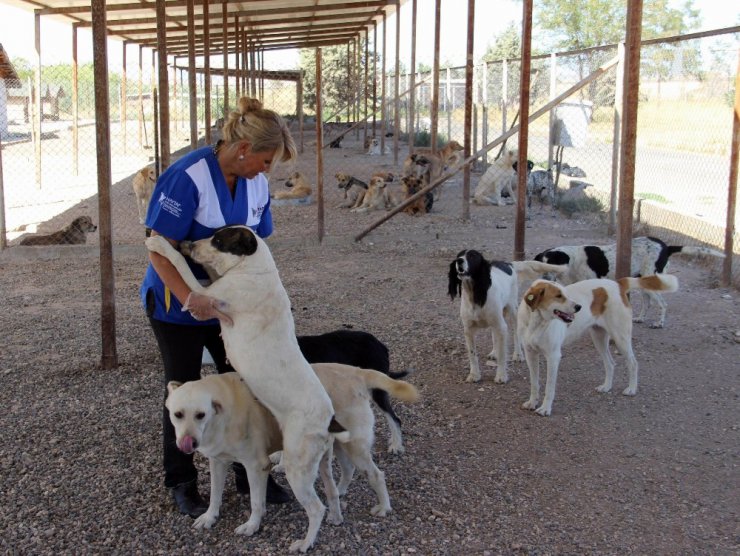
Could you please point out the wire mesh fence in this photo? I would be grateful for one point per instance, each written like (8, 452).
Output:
(683, 134)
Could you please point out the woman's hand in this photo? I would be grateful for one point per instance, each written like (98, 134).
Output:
(204, 307)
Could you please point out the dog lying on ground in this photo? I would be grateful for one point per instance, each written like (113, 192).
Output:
(74, 234)
(377, 196)
(410, 185)
(551, 315)
(359, 349)
(143, 185)
(261, 346)
(298, 188)
(220, 417)
(488, 293)
(649, 256)
(496, 180)
(354, 190)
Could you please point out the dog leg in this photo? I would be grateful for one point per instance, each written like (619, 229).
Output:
(501, 338)
(553, 362)
(474, 375)
(330, 489)
(533, 362)
(360, 451)
(601, 342)
(383, 401)
(218, 470)
(658, 298)
(159, 244)
(346, 467)
(624, 344)
(257, 477)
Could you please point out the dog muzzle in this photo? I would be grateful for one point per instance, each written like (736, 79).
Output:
(187, 444)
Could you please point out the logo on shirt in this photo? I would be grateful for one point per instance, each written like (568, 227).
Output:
(170, 205)
(257, 212)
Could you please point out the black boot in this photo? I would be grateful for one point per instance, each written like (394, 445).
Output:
(188, 500)
(275, 493)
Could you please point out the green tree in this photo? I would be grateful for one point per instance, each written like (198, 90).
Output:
(506, 45)
(339, 88)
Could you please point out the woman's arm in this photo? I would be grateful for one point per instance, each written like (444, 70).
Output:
(168, 273)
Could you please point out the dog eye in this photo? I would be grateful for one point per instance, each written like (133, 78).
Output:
(200, 415)
(178, 414)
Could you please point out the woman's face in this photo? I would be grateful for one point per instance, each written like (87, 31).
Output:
(253, 163)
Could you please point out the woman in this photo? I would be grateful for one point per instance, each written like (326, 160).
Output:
(204, 190)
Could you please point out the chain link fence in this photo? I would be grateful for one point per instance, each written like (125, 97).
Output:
(684, 133)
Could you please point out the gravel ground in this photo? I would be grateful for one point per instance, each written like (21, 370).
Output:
(606, 474)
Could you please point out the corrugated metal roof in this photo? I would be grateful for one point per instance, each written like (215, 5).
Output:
(7, 71)
(268, 24)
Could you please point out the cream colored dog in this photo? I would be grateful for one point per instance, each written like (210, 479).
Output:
(551, 315)
(143, 184)
(298, 188)
(377, 196)
(219, 417)
(262, 347)
(496, 180)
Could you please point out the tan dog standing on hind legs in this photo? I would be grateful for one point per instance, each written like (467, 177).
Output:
(261, 345)
(551, 315)
(143, 185)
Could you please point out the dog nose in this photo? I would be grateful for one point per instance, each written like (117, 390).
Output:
(577, 308)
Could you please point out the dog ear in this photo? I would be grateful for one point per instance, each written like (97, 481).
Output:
(247, 243)
(534, 296)
(173, 385)
(217, 406)
(453, 286)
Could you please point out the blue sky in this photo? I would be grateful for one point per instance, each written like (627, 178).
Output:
(492, 16)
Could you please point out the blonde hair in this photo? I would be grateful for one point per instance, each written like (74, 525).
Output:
(264, 129)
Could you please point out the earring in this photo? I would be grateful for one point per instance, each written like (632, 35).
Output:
(241, 157)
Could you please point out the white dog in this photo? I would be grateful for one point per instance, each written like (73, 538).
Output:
(374, 148)
(496, 180)
(262, 347)
(649, 256)
(489, 293)
(551, 316)
(219, 417)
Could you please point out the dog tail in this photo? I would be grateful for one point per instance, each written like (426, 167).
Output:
(654, 283)
(399, 389)
(531, 270)
(337, 430)
(694, 251)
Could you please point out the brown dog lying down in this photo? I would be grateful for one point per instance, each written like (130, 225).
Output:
(73, 234)
(219, 416)
(298, 188)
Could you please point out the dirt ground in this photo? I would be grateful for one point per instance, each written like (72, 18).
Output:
(605, 474)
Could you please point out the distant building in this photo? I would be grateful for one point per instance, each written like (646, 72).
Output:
(8, 79)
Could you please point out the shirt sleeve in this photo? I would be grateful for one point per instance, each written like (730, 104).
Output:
(264, 228)
(173, 205)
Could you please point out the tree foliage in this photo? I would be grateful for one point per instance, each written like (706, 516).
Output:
(506, 45)
(339, 86)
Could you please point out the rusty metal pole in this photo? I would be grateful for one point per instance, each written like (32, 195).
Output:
(164, 100)
(237, 52)
(412, 84)
(396, 85)
(3, 225)
(365, 88)
(299, 102)
(375, 76)
(319, 150)
(435, 76)
(192, 84)
(629, 137)
(616, 141)
(75, 105)
(383, 114)
(732, 185)
(225, 29)
(140, 116)
(124, 95)
(109, 358)
(38, 107)
(524, 81)
(468, 108)
(207, 69)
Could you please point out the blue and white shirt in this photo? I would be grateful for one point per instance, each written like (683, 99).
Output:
(190, 202)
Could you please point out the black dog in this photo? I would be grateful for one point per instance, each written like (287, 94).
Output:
(360, 349)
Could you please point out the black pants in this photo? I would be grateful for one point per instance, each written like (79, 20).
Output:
(181, 347)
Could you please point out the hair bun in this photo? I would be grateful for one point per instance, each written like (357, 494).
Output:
(247, 104)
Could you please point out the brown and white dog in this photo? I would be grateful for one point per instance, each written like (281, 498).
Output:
(220, 417)
(496, 180)
(649, 256)
(74, 234)
(261, 346)
(410, 185)
(353, 190)
(489, 293)
(298, 188)
(551, 316)
(143, 185)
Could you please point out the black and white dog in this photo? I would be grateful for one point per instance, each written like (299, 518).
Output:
(359, 349)
(649, 256)
(489, 293)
